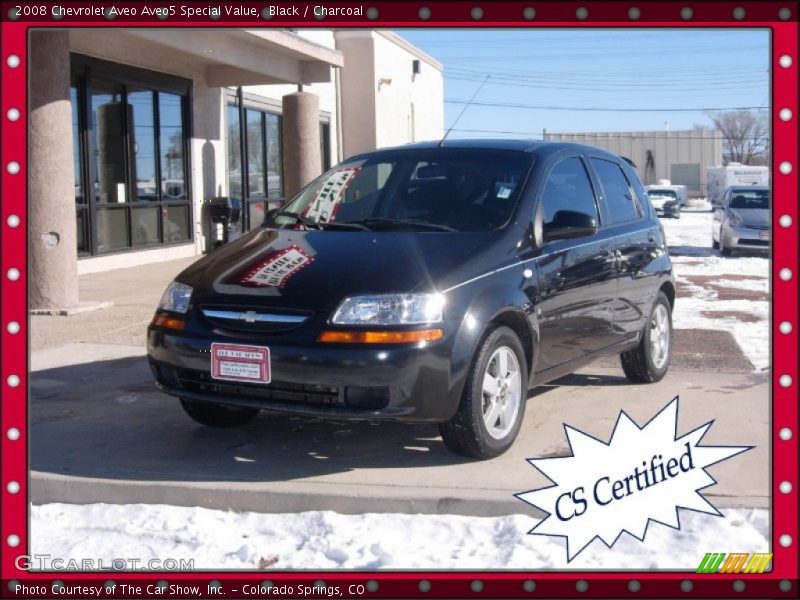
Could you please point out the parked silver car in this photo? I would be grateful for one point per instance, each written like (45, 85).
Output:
(741, 220)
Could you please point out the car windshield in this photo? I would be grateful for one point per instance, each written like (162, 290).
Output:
(439, 189)
(665, 193)
(749, 199)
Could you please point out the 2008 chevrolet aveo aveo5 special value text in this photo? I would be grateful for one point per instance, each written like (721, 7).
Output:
(431, 282)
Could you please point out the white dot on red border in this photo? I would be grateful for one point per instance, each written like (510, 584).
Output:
(13, 167)
(785, 380)
(785, 274)
(785, 434)
(785, 167)
(785, 114)
(12, 487)
(13, 540)
(12, 221)
(12, 380)
(785, 540)
(13, 61)
(13, 434)
(785, 487)
(12, 114)
(785, 327)
(785, 221)
(785, 61)
(12, 274)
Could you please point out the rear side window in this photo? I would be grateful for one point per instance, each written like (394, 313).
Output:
(622, 206)
(568, 188)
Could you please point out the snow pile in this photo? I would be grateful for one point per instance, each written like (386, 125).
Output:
(218, 539)
(719, 292)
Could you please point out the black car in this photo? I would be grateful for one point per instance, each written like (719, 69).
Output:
(431, 282)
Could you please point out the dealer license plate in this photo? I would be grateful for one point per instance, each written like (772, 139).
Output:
(235, 362)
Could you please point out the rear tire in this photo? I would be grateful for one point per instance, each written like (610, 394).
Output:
(649, 361)
(217, 415)
(492, 405)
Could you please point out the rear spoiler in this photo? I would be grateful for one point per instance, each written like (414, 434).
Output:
(629, 161)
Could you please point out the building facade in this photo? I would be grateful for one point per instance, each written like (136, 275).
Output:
(131, 130)
(680, 156)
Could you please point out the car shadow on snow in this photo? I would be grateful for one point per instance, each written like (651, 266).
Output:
(106, 419)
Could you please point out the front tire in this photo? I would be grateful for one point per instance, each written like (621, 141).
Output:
(493, 403)
(723, 250)
(217, 415)
(649, 361)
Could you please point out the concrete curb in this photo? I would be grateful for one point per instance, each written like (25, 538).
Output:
(300, 497)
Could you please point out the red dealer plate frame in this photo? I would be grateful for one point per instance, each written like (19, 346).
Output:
(226, 358)
(781, 582)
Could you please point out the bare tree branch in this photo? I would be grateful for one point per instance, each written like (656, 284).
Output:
(745, 135)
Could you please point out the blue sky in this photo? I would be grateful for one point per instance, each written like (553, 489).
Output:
(595, 68)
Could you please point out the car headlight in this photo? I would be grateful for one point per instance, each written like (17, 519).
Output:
(734, 220)
(390, 309)
(176, 297)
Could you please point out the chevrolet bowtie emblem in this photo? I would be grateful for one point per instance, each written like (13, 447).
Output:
(249, 316)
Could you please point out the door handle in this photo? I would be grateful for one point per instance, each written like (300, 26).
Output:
(651, 237)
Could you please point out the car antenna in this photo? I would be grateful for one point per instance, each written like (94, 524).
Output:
(463, 110)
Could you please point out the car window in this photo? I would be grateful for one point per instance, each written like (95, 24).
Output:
(620, 200)
(749, 199)
(568, 188)
(464, 190)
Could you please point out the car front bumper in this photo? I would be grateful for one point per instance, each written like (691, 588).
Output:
(402, 382)
(746, 238)
(668, 211)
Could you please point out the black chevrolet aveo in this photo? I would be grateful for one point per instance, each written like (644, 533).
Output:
(431, 282)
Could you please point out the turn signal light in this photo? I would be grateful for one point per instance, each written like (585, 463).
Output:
(381, 337)
(169, 322)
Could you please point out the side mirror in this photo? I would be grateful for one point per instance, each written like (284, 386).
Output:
(568, 224)
(270, 215)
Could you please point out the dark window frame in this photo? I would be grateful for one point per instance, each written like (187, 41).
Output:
(599, 214)
(85, 70)
(640, 212)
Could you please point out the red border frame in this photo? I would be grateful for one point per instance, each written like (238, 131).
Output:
(440, 584)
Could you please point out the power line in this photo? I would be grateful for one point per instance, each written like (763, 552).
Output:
(597, 108)
(607, 134)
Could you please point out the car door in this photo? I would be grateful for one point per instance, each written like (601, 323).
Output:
(577, 277)
(636, 243)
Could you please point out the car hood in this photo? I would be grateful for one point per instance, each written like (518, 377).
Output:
(315, 270)
(753, 217)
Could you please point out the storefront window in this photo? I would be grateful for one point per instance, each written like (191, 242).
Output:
(234, 154)
(81, 202)
(262, 176)
(135, 139)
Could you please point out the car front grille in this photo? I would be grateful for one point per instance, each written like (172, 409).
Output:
(754, 242)
(248, 319)
(276, 391)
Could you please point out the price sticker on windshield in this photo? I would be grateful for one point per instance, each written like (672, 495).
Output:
(330, 195)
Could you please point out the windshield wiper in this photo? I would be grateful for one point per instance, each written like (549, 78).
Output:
(300, 219)
(346, 225)
(408, 222)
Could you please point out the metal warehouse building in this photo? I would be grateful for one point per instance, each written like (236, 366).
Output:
(680, 156)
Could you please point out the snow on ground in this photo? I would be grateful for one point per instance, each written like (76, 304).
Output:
(719, 292)
(218, 539)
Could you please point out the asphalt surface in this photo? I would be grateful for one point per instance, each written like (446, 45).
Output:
(101, 432)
